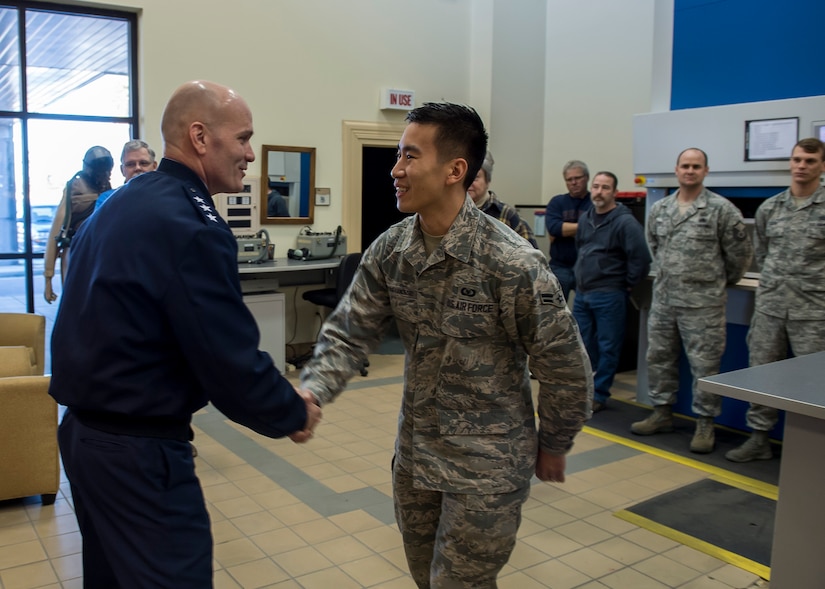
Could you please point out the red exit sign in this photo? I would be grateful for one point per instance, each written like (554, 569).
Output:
(397, 99)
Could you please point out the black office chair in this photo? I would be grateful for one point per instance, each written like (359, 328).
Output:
(329, 297)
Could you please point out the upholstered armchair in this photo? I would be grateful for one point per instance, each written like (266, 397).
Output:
(29, 462)
(28, 331)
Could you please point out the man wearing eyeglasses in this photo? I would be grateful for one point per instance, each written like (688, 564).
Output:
(562, 220)
(136, 158)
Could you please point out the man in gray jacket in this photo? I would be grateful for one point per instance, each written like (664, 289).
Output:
(613, 258)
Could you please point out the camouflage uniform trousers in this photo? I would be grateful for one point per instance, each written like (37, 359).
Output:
(702, 332)
(768, 340)
(452, 540)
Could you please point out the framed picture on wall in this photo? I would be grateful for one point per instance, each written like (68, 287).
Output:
(322, 197)
(770, 139)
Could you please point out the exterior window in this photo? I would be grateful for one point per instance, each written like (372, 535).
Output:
(67, 83)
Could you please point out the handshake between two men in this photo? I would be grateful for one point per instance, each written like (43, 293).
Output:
(313, 417)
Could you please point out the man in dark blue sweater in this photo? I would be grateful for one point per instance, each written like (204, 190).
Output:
(562, 218)
(613, 257)
(152, 326)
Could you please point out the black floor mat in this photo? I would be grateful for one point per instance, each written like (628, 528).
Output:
(618, 415)
(726, 517)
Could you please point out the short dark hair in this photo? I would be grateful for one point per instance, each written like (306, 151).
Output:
(681, 153)
(460, 133)
(609, 175)
(811, 145)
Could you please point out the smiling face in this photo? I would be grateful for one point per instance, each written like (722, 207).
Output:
(228, 148)
(420, 179)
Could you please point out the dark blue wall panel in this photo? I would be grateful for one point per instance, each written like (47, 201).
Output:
(733, 51)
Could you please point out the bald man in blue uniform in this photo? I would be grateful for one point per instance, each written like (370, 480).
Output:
(151, 327)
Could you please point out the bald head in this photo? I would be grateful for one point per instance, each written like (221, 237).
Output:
(207, 127)
(194, 101)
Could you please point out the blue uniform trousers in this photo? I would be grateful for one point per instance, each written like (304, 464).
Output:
(139, 507)
(601, 316)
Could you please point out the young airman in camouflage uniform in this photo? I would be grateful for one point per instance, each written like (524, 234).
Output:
(472, 301)
(699, 246)
(790, 299)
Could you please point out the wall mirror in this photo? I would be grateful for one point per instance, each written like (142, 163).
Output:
(287, 185)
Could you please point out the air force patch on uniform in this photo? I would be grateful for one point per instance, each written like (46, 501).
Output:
(739, 231)
(553, 298)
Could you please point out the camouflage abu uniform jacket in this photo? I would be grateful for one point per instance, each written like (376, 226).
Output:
(699, 254)
(469, 316)
(790, 252)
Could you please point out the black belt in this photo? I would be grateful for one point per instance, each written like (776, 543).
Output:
(130, 425)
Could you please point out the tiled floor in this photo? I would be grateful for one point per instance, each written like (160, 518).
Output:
(319, 515)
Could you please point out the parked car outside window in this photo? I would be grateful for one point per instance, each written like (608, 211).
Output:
(42, 216)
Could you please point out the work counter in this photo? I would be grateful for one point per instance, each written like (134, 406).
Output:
(286, 272)
(261, 284)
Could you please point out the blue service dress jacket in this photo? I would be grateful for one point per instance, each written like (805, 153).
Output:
(152, 323)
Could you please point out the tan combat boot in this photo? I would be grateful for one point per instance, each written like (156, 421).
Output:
(756, 447)
(704, 437)
(661, 420)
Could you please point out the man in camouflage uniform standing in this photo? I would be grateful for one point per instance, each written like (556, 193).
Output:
(472, 300)
(699, 246)
(790, 300)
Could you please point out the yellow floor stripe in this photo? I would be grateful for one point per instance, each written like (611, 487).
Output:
(697, 544)
(720, 474)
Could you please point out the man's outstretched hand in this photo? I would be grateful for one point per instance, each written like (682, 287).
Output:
(313, 417)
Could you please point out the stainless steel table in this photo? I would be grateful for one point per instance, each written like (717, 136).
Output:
(796, 385)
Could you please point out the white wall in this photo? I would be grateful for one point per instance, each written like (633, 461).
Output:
(516, 119)
(304, 66)
(553, 79)
(481, 57)
(662, 56)
(599, 64)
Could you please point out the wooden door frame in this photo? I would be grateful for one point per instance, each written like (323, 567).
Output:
(356, 136)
